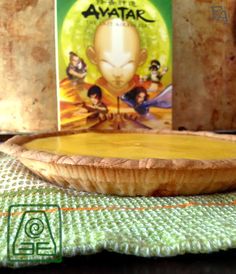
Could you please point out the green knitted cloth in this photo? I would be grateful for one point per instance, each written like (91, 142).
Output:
(138, 226)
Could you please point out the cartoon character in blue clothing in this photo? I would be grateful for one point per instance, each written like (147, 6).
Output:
(137, 98)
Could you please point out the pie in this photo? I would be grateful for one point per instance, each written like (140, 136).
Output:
(137, 163)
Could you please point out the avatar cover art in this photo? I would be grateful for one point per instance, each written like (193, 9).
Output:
(114, 64)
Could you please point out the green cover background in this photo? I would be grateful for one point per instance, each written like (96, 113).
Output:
(164, 6)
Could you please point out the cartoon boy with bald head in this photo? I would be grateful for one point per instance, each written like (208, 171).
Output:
(117, 53)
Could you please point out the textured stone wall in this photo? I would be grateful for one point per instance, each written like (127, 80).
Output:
(204, 66)
(27, 66)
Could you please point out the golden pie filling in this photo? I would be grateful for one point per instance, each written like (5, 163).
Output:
(137, 146)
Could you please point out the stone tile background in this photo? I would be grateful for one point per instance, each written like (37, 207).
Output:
(27, 66)
(204, 66)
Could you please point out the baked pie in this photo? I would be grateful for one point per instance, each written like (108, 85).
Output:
(137, 163)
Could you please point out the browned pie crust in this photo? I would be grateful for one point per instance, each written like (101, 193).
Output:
(146, 177)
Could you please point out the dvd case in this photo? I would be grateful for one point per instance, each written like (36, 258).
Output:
(114, 64)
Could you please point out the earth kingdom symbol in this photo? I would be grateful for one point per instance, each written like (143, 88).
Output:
(219, 13)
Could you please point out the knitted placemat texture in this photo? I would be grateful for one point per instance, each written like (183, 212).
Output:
(141, 226)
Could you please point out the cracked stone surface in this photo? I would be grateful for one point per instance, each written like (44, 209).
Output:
(27, 66)
(204, 66)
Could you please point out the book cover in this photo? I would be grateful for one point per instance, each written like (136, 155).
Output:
(114, 64)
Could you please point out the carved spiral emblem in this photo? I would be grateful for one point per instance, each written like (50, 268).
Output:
(34, 228)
